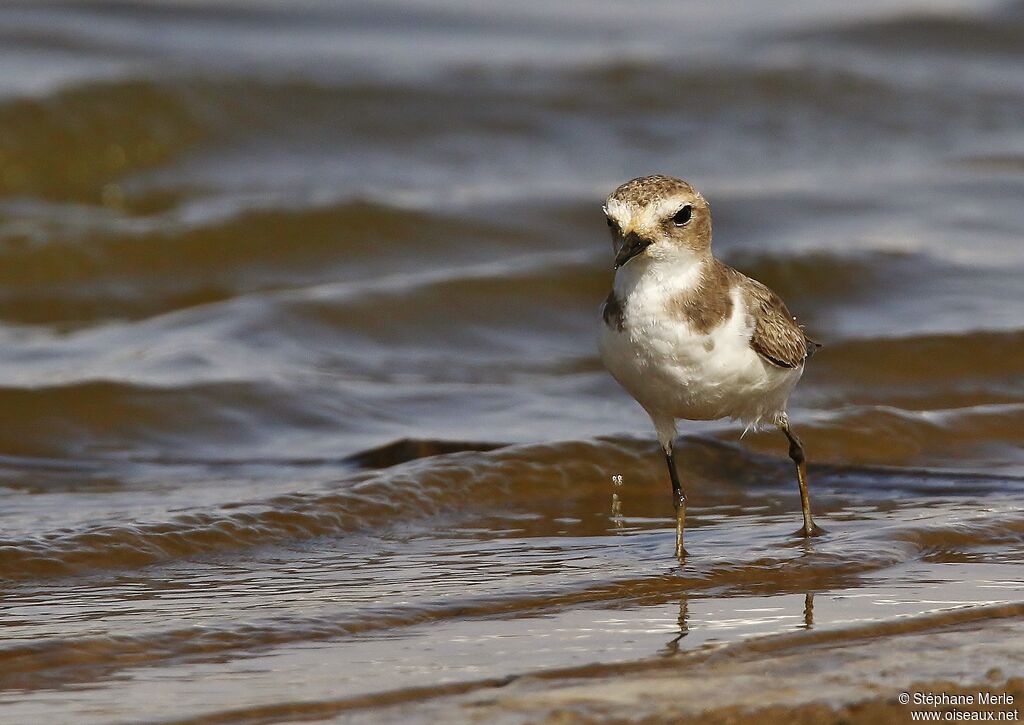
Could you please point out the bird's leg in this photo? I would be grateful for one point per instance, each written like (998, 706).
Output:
(678, 500)
(796, 452)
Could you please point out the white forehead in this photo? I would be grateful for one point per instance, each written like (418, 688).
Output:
(630, 215)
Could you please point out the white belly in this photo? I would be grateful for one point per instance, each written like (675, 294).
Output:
(674, 371)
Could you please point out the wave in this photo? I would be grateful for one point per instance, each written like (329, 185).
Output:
(999, 35)
(884, 435)
(427, 487)
(112, 130)
(71, 145)
(504, 306)
(449, 484)
(838, 565)
(798, 100)
(103, 276)
(365, 362)
(100, 275)
(108, 419)
(822, 277)
(922, 372)
(1005, 162)
(398, 274)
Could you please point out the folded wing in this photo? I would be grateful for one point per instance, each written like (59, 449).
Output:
(776, 337)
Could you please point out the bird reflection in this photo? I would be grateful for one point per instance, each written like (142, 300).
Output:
(673, 646)
(616, 511)
(808, 610)
(683, 621)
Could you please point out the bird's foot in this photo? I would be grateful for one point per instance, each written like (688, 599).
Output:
(804, 533)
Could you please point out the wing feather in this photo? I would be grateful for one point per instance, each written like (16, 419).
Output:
(776, 337)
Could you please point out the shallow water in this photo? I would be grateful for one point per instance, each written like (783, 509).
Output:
(245, 249)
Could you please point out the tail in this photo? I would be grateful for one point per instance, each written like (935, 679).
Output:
(812, 346)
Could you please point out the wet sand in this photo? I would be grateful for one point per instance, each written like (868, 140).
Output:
(855, 675)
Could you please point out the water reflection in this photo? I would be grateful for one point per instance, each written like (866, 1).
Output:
(672, 648)
(616, 515)
(674, 645)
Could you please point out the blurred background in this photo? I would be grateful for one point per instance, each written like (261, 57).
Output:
(242, 242)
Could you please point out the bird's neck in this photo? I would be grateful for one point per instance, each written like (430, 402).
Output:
(666, 276)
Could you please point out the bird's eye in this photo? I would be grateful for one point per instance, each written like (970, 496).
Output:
(683, 215)
(611, 224)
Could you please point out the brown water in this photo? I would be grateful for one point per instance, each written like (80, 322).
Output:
(242, 245)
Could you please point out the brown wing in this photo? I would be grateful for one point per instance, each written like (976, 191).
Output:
(777, 338)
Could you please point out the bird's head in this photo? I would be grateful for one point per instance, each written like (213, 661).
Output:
(658, 218)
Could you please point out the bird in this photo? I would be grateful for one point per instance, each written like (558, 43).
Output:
(690, 338)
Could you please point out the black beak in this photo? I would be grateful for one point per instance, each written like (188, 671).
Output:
(632, 245)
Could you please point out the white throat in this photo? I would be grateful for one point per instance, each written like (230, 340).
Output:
(667, 275)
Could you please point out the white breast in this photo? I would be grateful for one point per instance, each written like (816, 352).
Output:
(674, 371)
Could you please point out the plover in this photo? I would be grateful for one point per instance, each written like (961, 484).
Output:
(688, 336)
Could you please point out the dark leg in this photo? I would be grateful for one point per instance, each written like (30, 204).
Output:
(796, 452)
(679, 500)
(809, 610)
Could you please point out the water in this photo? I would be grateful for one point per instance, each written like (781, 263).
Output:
(243, 245)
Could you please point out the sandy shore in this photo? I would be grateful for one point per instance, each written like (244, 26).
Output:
(852, 676)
